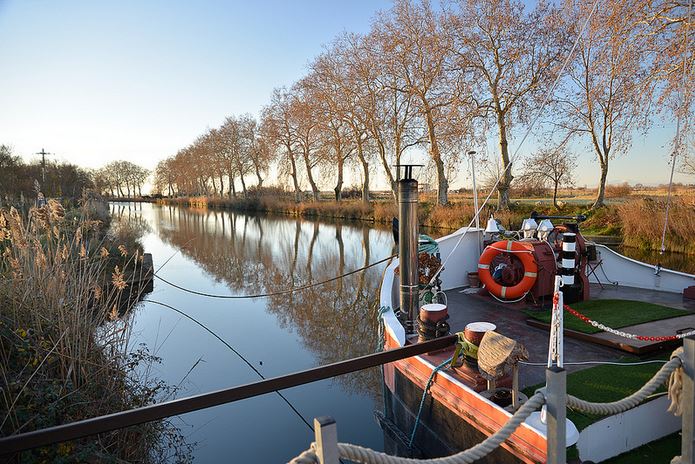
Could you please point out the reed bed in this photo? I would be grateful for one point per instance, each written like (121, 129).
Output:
(65, 333)
(639, 221)
(643, 222)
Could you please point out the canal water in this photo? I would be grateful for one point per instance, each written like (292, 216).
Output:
(228, 253)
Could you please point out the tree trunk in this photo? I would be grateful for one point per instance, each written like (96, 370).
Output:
(555, 196)
(387, 169)
(339, 184)
(314, 187)
(221, 185)
(243, 186)
(506, 180)
(295, 179)
(442, 183)
(601, 193)
(260, 179)
(365, 169)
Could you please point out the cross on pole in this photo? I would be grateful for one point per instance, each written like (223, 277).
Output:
(43, 154)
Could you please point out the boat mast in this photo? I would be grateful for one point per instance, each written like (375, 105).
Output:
(407, 246)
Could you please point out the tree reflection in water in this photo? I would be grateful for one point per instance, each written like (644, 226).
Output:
(259, 254)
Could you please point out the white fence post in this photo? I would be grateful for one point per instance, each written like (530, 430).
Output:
(688, 402)
(326, 437)
(556, 404)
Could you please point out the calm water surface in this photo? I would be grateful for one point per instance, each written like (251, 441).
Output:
(235, 254)
(229, 253)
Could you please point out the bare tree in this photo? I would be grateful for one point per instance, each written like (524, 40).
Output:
(509, 56)
(276, 127)
(422, 56)
(609, 87)
(551, 167)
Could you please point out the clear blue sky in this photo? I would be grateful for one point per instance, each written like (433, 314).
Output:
(137, 80)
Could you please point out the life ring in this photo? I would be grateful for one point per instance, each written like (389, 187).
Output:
(524, 252)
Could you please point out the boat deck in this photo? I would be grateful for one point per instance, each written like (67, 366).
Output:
(511, 321)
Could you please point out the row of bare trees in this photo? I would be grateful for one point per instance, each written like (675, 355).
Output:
(216, 161)
(120, 179)
(445, 80)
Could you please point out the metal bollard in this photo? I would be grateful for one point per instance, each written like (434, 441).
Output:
(688, 402)
(556, 402)
(326, 437)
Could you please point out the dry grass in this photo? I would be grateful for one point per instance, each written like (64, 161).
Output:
(643, 222)
(64, 353)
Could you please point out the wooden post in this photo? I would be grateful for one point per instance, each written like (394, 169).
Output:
(515, 387)
(687, 402)
(556, 401)
(326, 437)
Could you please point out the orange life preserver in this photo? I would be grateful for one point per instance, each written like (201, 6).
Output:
(521, 250)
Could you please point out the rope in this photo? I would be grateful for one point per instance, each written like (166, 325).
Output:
(630, 336)
(307, 456)
(521, 143)
(282, 292)
(606, 363)
(367, 456)
(422, 400)
(677, 143)
(675, 386)
(236, 352)
(521, 298)
(629, 402)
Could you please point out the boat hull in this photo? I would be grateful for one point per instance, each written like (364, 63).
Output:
(454, 417)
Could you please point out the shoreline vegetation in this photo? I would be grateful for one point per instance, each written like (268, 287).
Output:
(68, 284)
(637, 220)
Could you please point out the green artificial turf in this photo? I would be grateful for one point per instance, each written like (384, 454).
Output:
(601, 384)
(613, 313)
(662, 450)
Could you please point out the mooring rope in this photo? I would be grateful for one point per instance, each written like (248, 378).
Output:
(236, 352)
(671, 371)
(424, 396)
(629, 402)
(677, 141)
(281, 292)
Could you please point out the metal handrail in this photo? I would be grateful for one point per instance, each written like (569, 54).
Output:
(122, 419)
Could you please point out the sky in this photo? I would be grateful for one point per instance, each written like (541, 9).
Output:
(93, 82)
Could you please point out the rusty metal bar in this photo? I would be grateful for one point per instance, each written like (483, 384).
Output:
(119, 420)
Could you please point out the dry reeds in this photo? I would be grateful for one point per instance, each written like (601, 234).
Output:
(64, 351)
(643, 222)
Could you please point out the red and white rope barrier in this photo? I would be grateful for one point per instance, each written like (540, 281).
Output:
(620, 333)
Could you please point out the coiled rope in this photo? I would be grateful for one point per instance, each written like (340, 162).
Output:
(281, 292)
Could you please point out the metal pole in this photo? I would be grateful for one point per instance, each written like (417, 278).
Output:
(119, 420)
(326, 437)
(556, 339)
(688, 402)
(407, 248)
(475, 201)
(556, 403)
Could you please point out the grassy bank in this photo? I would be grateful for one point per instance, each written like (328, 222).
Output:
(64, 335)
(638, 221)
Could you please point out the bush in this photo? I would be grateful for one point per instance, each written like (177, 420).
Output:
(618, 190)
